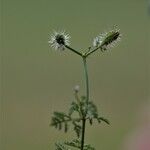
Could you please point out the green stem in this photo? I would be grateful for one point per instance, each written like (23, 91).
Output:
(73, 50)
(87, 99)
(90, 52)
(84, 56)
(86, 79)
(83, 133)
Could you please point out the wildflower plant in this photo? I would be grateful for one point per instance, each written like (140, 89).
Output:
(82, 110)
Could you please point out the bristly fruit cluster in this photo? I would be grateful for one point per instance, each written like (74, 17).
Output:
(61, 40)
(107, 40)
(58, 40)
(82, 109)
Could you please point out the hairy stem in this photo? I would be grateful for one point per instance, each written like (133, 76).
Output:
(87, 99)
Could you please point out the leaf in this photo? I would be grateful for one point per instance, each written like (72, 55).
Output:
(92, 110)
(92, 113)
(74, 108)
(84, 106)
(74, 143)
(66, 127)
(60, 120)
(103, 119)
(60, 146)
(91, 121)
(88, 147)
(77, 144)
(77, 128)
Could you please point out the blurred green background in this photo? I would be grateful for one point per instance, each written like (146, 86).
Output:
(36, 80)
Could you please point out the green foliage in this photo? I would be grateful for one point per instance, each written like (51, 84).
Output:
(88, 147)
(82, 110)
(92, 113)
(89, 111)
(59, 120)
(60, 146)
(73, 144)
(103, 119)
(74, 108)
(77, 128)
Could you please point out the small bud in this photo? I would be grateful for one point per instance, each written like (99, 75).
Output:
(76, 88)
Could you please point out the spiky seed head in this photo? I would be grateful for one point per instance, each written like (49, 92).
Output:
(58, 40)
(107, 40)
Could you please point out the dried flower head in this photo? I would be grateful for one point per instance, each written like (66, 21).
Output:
(107, 39)
(58, 40)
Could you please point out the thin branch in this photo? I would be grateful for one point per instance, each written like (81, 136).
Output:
(87, 99)
(92, 51)
(73, 50)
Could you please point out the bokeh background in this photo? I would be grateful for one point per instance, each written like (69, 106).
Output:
(36, 80)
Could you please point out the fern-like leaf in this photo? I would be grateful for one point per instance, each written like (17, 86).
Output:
(74, 143)
(60, 146)
(77, 144)
(88, 147)
(77, 128)
(60, 120)
(99, 119)
(74, 108)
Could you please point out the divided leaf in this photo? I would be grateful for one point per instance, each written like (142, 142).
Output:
(103, 119)
(74, 108)
(92, 113)
(88, 147)
(60, 119)
(74, 143)
(77, 144)
(60, 146)
(77, 128)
